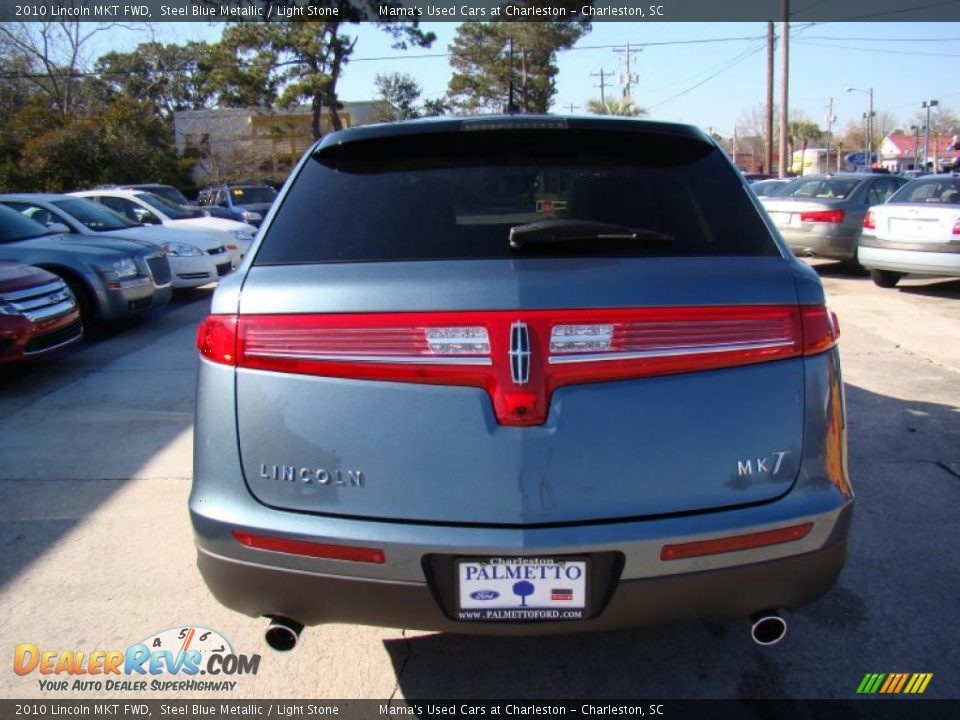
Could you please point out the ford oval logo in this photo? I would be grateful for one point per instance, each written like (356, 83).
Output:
(485, 595)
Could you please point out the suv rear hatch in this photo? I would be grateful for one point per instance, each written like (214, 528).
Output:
(400, 360)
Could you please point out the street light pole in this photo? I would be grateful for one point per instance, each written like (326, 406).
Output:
(868, 160)
(927, 104)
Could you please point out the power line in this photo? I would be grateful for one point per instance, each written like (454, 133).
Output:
(733, 62)
(885, 51)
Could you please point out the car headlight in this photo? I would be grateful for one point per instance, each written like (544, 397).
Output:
(181, 250)
(251, 216)
(242, 235)
(125, 268)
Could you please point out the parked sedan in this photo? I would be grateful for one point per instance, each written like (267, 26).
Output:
(195, 258)
(768, 188)
(172, 195)
(110, 278)
(916, 231)
(145, 208)
(38, 314)
(822, 215)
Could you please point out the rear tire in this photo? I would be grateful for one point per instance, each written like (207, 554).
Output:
(885, 278)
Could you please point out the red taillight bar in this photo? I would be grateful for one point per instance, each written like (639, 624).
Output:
(734, 543)
(310, 549)
(565, 347)
(822, 216)
(870, 221)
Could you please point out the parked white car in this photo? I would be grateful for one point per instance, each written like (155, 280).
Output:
(195, 258)
(917, 231)
(148, 209)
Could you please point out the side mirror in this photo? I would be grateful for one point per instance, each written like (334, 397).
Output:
(59, 227)
(145, 217)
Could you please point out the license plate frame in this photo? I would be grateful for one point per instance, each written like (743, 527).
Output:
(557, 590)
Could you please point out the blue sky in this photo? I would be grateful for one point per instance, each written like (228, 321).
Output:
(712, 84)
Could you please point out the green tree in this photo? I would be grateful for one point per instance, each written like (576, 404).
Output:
(172, 77)
(398, 93)
(624, 107)
(306, 59)
(480, 56)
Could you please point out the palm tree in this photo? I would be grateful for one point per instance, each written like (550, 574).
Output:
(623, 107)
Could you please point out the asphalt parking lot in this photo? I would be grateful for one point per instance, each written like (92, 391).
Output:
(95, 465)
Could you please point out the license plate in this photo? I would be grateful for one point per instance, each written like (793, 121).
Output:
(780, 218)
(522, 589)
(918, 230)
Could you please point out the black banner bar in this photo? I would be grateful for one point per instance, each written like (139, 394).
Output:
(653, 709)
(477, 10)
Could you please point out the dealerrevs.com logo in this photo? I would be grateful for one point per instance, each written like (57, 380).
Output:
(177, 659)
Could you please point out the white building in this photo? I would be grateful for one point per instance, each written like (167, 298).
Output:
(244, 144)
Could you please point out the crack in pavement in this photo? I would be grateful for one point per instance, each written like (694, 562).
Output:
(403, 666)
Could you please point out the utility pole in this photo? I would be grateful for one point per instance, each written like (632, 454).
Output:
(523, 79)
(603, 85)
(784, 88)
(927, 104)
(831, 119)
(572, 107)
(768, 144)
(628, 79)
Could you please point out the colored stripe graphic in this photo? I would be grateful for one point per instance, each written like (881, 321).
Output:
(894, 683)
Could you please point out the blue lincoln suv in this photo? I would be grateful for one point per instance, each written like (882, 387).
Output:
(519, 374)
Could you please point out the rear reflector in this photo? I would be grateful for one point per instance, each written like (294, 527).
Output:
(735, 542)
(518, 356)
(310, 549)
(822, 216)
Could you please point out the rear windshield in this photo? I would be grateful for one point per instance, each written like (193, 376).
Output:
(252, 194)
(933, 190)
(820, 188)
(457, 195)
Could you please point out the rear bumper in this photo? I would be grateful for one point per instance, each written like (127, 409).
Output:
(821, 241)
(739, 591)
(918, 260)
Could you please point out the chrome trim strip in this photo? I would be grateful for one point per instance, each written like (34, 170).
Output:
(50, 311)
(401, 359)
(76, 337)
(688, 350)
(37, 291)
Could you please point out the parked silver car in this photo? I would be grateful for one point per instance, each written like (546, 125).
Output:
(822, 215)
(917, 232)
(522, 374)
(110, 278)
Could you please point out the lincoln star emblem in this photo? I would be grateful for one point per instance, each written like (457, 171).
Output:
(519, 353)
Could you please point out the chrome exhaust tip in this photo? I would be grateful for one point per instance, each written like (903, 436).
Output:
(283, 633)
(767, 628)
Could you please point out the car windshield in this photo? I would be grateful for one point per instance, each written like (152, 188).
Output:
(174, 212)
(14, 226)
(819, 188)
(92, 215)
(249, 194)
(458, 196)
(929, 190)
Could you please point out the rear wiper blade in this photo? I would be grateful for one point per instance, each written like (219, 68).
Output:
(548, 232)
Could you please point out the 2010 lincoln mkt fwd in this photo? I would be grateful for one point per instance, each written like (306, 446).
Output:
(519, 374)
